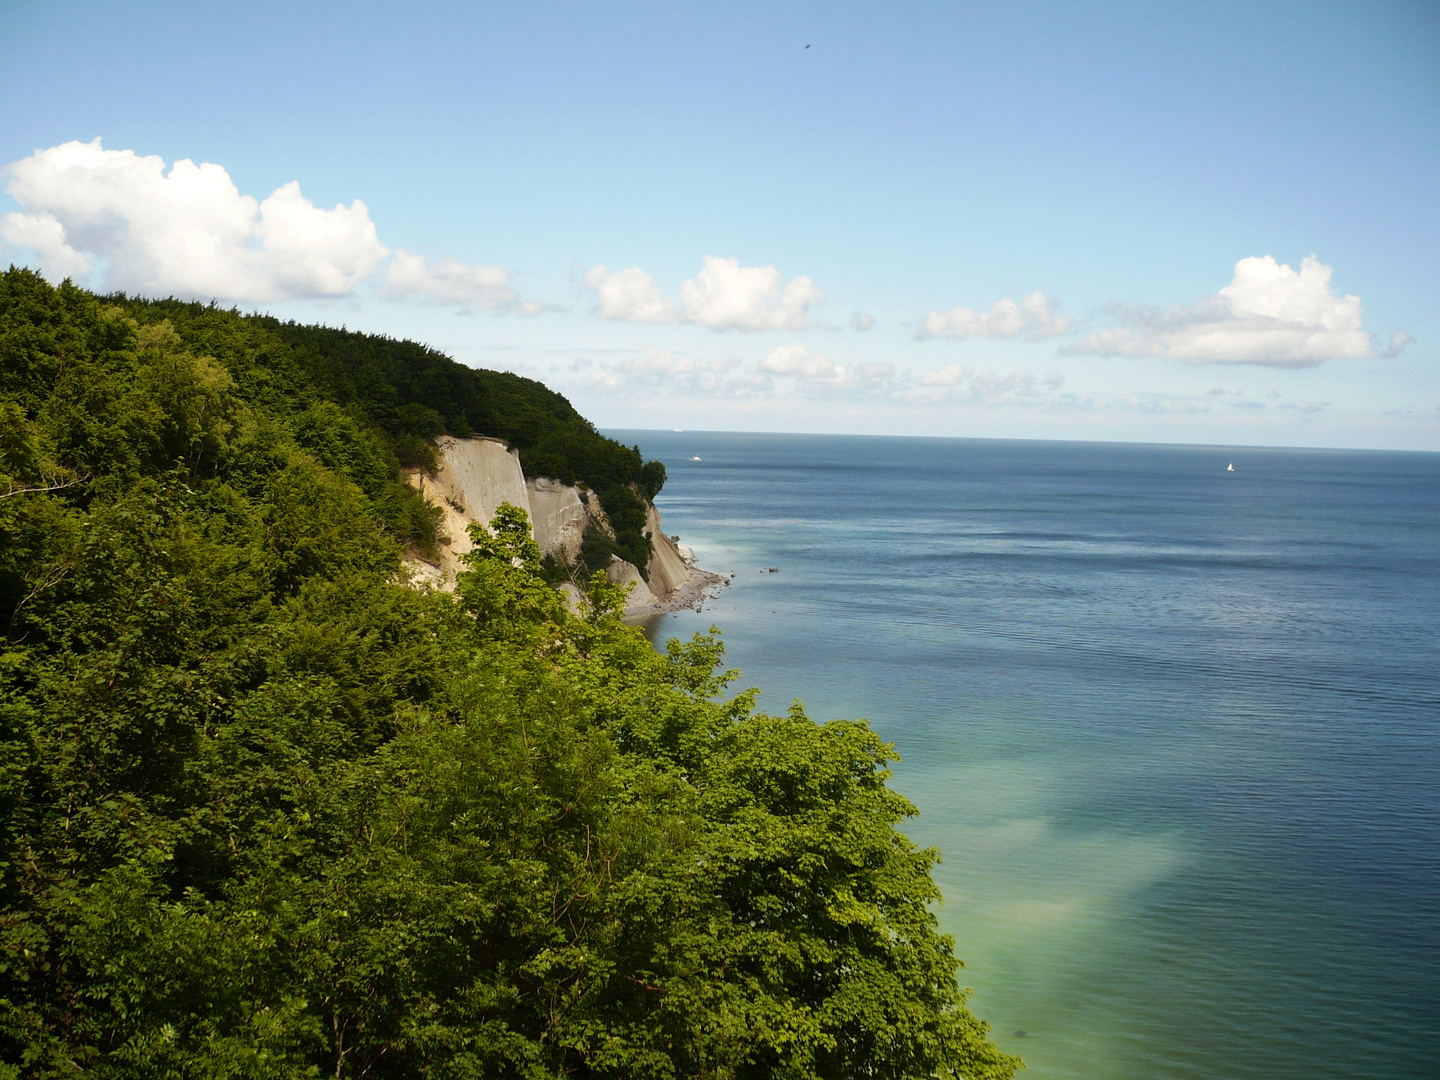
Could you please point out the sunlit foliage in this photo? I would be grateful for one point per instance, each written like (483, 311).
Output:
(267, 811)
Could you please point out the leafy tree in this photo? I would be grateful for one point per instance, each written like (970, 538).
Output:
(405, 394)
(266, 811)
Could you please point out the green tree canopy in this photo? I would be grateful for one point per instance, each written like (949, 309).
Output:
(364, 404)
(267, 811)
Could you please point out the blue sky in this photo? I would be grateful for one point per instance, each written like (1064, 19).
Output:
(680, 216)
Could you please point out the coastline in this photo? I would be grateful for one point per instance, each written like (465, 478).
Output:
(692, 594)
(475, 475)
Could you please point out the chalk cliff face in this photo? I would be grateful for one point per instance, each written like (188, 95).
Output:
(476, 475)
(641, 600)
(558, 517)
(669, 572)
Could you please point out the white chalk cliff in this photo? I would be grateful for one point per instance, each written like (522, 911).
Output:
(474, 476)
(558, 517)
(669, 570)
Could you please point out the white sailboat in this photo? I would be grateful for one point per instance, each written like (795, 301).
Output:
(1230, 467)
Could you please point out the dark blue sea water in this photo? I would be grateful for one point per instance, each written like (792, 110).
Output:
(1175, 730)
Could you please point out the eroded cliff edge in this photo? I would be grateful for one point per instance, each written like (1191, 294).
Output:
(475, 475)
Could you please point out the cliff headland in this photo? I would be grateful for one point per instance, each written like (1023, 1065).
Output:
(473, 477)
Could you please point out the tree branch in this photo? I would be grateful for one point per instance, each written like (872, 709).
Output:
(50, 485)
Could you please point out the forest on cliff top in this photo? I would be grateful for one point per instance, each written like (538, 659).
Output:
(267, 811)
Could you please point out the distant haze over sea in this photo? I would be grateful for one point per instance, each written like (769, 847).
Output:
(1174, 728)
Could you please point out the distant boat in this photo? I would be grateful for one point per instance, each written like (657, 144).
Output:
(694, 459)
(1230, 467)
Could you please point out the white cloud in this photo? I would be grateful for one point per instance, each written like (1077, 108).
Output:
(120, 221)
(813, 371)
(723, 296)
(728, 296)
(43, 234)
(861, 321)
(472, 288)
(188, 231)
(1032, 319)
(1398, 340)
(1269, 314)
(630, 296)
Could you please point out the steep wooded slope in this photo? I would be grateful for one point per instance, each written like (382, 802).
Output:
(267, 812)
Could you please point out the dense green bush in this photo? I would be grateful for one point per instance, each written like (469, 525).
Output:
(265, 811)
(398, 395)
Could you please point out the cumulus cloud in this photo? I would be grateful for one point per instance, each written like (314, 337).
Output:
(117, 220)
(43, 234)
(189, 231)
(629, 296)
(861, 321)
(723, 296)
(728, 296)
(1269, 314)
(1033, 319)
(472, 288)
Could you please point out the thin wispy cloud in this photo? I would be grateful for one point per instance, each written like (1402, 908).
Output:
(1269, 315)
(784, 370)
(1032, 319)
(668, 372)
(1216, 400)
(789, 371)
(795, 373)
(723, 296)
(958, 382)
(812, 371)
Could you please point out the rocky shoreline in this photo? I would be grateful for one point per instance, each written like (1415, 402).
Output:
(702, 585)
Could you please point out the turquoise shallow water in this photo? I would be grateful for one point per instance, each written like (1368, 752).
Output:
(1176, 731)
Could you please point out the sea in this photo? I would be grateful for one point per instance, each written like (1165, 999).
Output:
(1173, 727)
